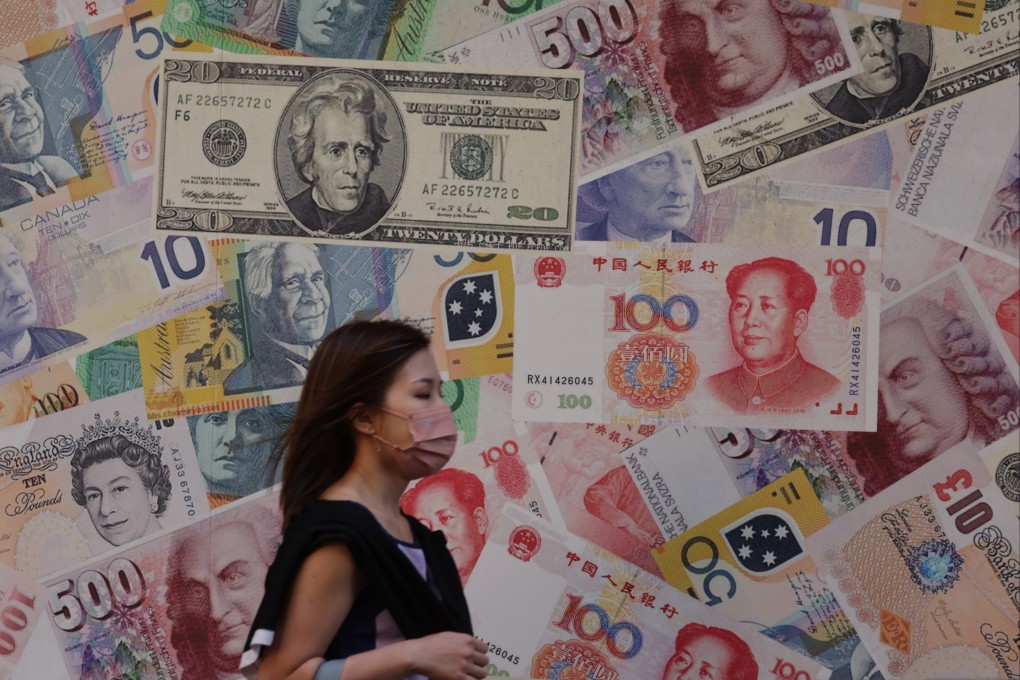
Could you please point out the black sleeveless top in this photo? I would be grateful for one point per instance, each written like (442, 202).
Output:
(418, 607)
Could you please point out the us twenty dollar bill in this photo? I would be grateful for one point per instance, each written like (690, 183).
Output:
(907, 69)
(319, 150)
(654, 72)
(701, 335)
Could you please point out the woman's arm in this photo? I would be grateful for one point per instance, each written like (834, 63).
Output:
(323, 594)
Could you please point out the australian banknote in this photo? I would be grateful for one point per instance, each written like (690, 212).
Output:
(955, 15)
(111, 369)
(252, 348)
(88, 119)
(928, 571)
(435, 155)
(651, 73)
(551, 605)
(49, 390)
(83, 482)
(492, 467)
(966, 153)
(176, 606)
(749, 562)
(23, 602)
(24, 20)
(907, 69)
(664, 318)
(88, 272)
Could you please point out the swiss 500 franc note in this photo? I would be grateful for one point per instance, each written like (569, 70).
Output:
(649, 334)
(89, 272)
(653, 72)
(82, 483)
(914, 68)
(928, 572)
(439, 156)
(253, 347)
(551, 605)
(177, 606)
(86, 113)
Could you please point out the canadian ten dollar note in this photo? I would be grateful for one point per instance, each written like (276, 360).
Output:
(319, 150)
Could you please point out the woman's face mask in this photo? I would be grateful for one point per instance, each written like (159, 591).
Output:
(434, 437)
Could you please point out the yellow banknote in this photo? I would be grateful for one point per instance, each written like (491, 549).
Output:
(750, 562)
(253, 347)
(928, 570)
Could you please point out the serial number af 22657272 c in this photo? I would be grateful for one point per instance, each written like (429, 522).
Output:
(536, 379)
(470, 191)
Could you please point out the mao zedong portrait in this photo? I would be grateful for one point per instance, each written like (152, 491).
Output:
(21, 341)
(215, 582)
(287, 294)
(336, 138)
(651, 201)
(25, 172)
(769, 304)
(122, 482)
(452, 501)
(942, 385)
(890, 80)
(723, 56)
(709, 653)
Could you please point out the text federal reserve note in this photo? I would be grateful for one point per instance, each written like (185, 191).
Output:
(699, 334)
(320, 150)
(81, 483)
(928, 572)
(907, 69)
(551, 605)
(89, 272)
(654, 72)
(253, 347)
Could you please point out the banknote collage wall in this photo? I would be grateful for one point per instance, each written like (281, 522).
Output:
(725, 294)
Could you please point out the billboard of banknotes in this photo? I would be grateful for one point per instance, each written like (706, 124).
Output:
(552, 605)
(253, 347)
(962, 148)
(429, 155)
(176, 606)
(491, 468)
(927, 570)
(907, 69)
(49, 390)
(750, 562)
(802, 325)
(654, 72)
(81, 128)
(81, 483)
(89, 272)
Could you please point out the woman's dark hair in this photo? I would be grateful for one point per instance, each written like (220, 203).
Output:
(356, 363)
(147, 464)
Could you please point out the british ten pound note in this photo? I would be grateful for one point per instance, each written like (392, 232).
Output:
(907, 69)
(656, 71)
(930, 573)
(429, 155)
(699, 335)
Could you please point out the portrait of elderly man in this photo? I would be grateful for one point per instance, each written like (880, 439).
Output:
(651, 201)
(709, 653)
(25, 173)
(340, 29)
(21, 341)
(336, 138)
(770, 300)
(288, 296)
(889, 82)
(723, 56)
(942, 386)
(452, 501)
(215, 582)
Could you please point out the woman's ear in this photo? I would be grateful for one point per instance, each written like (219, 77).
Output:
(361, 419)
